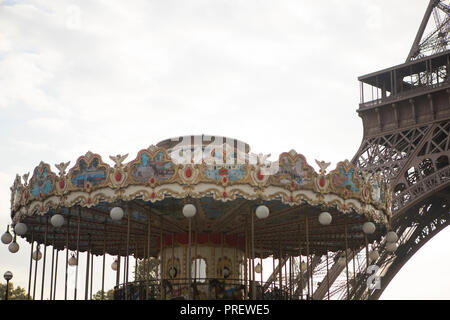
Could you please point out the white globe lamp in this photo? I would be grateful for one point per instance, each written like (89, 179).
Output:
(325, 218)
(116, 213)
(37, 255)
(262, 212)
(373, 255)
(391, 236)
(20, 229)
(57, 220)
(6, 237)
(189, 210)
(13, 247)
(368, 227)
(391, 246)
(73, 261)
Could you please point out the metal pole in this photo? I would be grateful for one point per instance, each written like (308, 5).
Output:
(253, 254)
(45, 254)
(246, 260)
(35, 274)
(118, 270)
(308, 266)
(354, 271)
(147, 275)
(88, 256)
(189, 259)
(67, 257)
(367, 251)
(31, 264)
(300, 263)
(273, 272)
(78, 255)
(162, 257)
(280, 268)
(328, 278)
(92, 273)
(128, 252)
(53, 266)
(7, 289)
(346, 261)
(56, 274)
(103, 265)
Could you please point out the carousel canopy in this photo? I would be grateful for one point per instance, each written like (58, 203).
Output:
(222, 180)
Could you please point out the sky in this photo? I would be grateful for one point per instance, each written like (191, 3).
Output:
(115, 77)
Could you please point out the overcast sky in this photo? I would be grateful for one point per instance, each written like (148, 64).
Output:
(114, 76)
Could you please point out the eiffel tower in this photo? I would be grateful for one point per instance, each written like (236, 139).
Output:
(405, 111)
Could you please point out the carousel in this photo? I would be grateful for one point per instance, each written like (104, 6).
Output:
(210, 219)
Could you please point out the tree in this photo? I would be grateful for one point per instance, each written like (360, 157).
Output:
(150, 272)
(18, 293)
(109, 295)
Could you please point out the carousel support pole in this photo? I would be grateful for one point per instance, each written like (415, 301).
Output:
(328, 278)
(124, 281)
(103, 263)
(246, 261)
(161, 240)
(195, 257)
(173, 255)
(273, 271)
(67, 256)
(280, 269)
(308, 260)
(300, 263)
(346, 261)
(45, 256)
(286, 274)
(78, 254)
(354, 270)
(147, 276)
(88, 260)
(128, 252)
(189, 259)
(290, 277)
(261, 261)
(136, 263)
(253, 255)
(35, 274)
(92, 274)
(118, 270)
(367, 250)
(31, 265)
(221, 252)
(56, 274)
(53, 266)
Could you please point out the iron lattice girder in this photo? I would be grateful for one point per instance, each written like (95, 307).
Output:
(407, 140)
(410, 160)
(423, 232)
(415, 229)
(437, 39)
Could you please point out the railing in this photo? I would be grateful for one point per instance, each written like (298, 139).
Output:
(405, 94)
(200, 289)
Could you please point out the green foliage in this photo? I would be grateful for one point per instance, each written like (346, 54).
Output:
(109, 295)
(18, 293)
